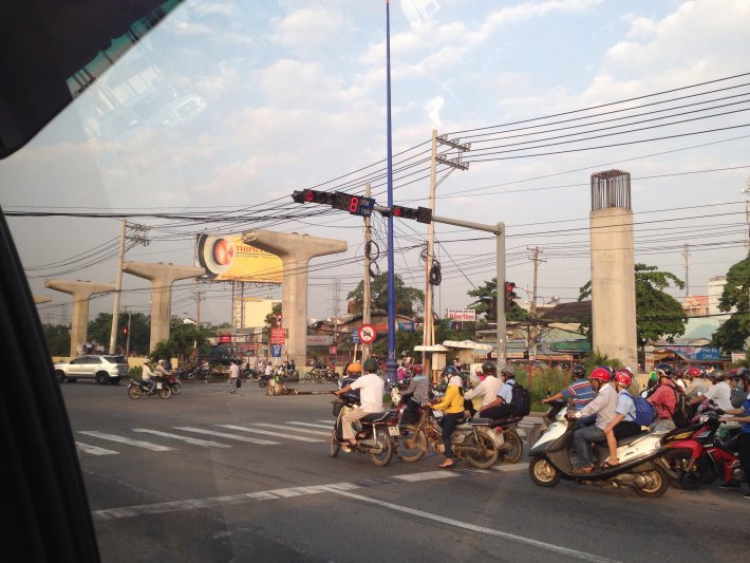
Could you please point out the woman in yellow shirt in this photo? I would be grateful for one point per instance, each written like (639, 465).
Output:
(452, 405)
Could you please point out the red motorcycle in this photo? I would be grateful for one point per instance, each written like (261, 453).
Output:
(696, 456)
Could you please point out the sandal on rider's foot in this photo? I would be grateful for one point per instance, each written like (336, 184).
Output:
(446, 465)
(609, 465)
(583, 470)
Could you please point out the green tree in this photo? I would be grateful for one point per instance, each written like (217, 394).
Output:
(183, 339)
(100, 328)
(407, 298)
(658, 314)
(58, 339)
(732, 335)
(486, 303)
(271, 318)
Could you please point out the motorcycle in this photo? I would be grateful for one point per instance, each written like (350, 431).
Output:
(375, 435)
(472, 441)
(138, 389)
(696, 456)
(639, 467)
(511, 437)
(249, 373)
(171, 381)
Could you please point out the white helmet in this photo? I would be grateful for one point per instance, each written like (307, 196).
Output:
(161, 362)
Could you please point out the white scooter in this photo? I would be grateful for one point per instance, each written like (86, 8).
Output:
(550, 458)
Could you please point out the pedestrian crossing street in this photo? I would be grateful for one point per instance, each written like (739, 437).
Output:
(96, 443)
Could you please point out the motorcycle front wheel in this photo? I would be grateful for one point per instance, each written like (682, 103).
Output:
(658, 485)
(407, 448)
(335, 447)
(134, 392)
(165, 392)
(543, 473)
(384, 444)
(678, 461)
(176, 388)
(481, 450)
(262, 382)
(513, 447)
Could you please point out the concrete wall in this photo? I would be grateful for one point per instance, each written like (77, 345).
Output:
(613, 284)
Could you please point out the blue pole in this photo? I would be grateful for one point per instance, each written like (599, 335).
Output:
(391, 361)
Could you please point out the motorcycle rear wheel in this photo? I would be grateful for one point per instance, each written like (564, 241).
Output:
(403, 451)
(176, 388)
(335, 447)
(677, 474)
(542, 473)
(165, 392)
(481, 450)
(513, 447)
(262, 382)
(134, 392)
(382, 458)
(658, 488)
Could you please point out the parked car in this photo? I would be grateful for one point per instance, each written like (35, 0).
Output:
(104, 369)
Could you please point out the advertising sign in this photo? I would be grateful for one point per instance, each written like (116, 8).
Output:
(275, 350)
(225, 338)
(278, 335)
(227, 258)
(462, 315)
(319, 340)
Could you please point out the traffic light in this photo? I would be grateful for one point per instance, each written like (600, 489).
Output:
(421, 214)
(314, 196)
(510, 294)
(125, 330)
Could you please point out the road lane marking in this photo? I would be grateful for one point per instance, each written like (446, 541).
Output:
(109, 514)
(327, 422)
(511, 467)
(329, 426)
(228, 436)
(93, 450)
(269, 433)
(426, 476)
(581, 555)
(128, 441)
(280, 427)
(187, 439)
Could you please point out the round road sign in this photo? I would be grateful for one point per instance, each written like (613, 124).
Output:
(367, 334)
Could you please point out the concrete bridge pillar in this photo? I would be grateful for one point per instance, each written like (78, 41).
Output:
(161, 276)
(295, 251)
(81, 292)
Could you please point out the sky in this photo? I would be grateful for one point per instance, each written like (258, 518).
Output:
(290, 94)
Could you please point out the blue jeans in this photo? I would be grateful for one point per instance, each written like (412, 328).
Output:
(583, 438)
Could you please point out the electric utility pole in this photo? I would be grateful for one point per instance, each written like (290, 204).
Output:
(686, 255)
(366, 299)
(428, 338)
(535, 252)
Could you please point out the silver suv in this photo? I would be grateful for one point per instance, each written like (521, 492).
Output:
(104, 369)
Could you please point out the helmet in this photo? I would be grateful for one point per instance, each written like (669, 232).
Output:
(371, 365)
(744, 373)
(418, 369)
(508, 372)
(354, 367)
(719, 374)
(601, 374)
(489, 368)
(147, 362)
(450, 371)
(474, 380)
(161, 362)
(579, 371)
(666, 369)
(623, 377)
(693, 372)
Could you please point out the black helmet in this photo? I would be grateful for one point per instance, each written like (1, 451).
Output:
(743, 373)
(371, 365)
(508, 372)
(666, 369)
(579, 371)
(489, 368)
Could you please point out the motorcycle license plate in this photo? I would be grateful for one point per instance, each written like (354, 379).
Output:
(158, 385)
(394, 431)
(521, 433)
(438, 414)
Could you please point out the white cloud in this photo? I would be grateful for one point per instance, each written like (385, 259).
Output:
(309, 28)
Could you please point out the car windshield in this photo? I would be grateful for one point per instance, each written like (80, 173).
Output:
(231, 184)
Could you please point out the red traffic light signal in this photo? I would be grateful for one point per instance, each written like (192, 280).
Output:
(510, 294)
(314, 196)
(124, 330)
(420, 214)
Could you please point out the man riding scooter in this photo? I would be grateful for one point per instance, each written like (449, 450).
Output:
(371, 389)
(604, 405)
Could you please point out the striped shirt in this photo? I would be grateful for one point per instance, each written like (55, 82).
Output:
(581, 392)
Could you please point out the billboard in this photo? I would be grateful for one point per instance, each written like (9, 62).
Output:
(462, 315)
(227, 258)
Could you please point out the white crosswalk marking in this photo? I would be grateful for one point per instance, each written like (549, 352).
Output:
(327, 422)
(93, 450)
(228, 436)
(128, 441)
(269, 433)
(189, 440)
(329, 426)
(280, 427)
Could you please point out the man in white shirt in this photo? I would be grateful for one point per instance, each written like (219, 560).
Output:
(234, 374)
(371, 390)
(487, 389)
(721, 394)
(148, 376)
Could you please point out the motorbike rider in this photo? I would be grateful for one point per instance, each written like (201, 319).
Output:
(500, 406)
(580, 390)
(352, 373)
(624, 423)
(147, 376)
(664, 399)
(738, 390)
(161, 372)
(452, 405)
(604, 406)
(487, 389)
(721, 393)
(699, 384)
(417, 393)
(371, 387)
(744, 418)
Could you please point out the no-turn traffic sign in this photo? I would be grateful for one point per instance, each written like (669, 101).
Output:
(367, 334)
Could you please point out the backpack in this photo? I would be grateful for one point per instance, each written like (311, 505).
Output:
(521, 402)
(645, 413)
(682, 414)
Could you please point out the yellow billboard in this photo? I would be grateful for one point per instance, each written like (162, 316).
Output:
(227, 258)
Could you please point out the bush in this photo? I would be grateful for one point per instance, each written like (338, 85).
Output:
(136, 372)
(543, 382)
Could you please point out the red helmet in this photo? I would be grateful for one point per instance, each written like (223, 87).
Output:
(417, 369)
(693, 372)
(601, 374)
(623, 377)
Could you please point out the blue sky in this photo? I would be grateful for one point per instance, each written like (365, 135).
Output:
(292, 95)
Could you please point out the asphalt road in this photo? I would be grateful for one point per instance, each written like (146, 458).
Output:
(209, 476)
